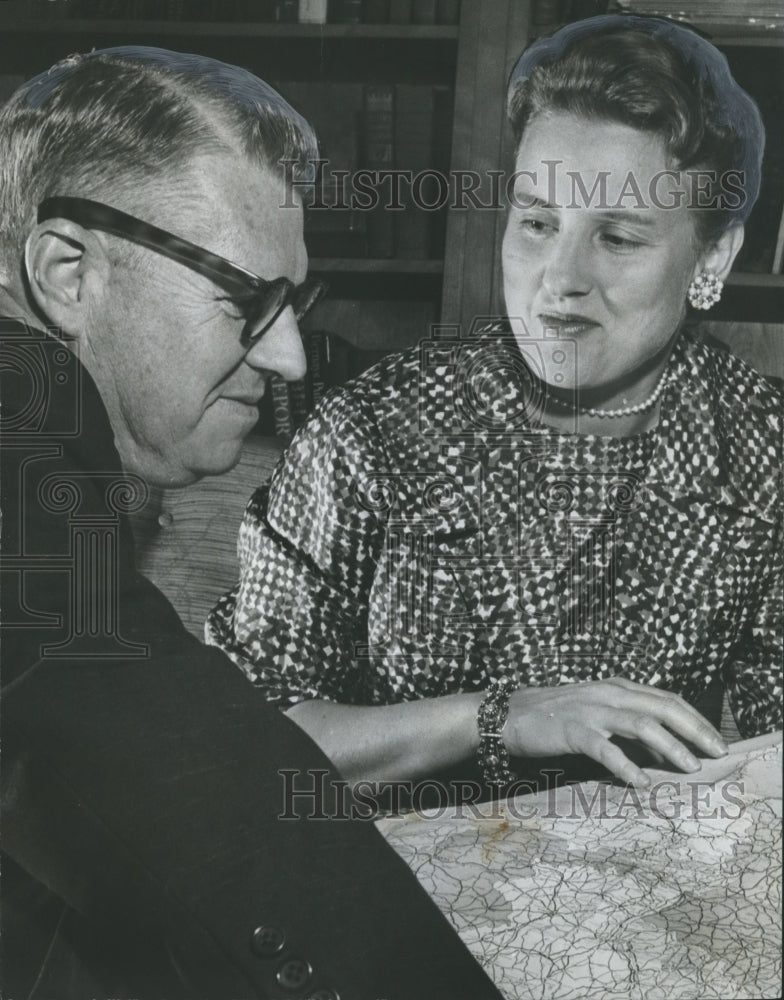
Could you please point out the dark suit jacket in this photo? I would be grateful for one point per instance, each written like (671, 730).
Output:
(141, 792)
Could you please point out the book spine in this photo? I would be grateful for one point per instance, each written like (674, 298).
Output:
(318, 359)
(375, 11)
(281, 409)
(257, 11)
(345, 11)
(414, 153)
(379, 137)
(400, 11)
(313, 11)
(546, 12)
(448, 11)
(300, 404)
(423, 12)
(443, 115)
(287, 11)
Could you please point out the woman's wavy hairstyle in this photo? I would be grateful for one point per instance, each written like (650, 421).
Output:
(653, 75)
(112, 122)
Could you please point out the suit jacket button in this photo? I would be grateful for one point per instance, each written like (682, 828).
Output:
(267, 941)
(325, 993)
(293, 974)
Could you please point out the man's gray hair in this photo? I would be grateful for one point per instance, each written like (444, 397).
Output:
(110, 121)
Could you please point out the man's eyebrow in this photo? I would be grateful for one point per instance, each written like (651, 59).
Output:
(531, 201)
(636, 218)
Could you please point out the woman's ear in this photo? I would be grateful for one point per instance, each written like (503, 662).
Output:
(66, 267)
(720, 255)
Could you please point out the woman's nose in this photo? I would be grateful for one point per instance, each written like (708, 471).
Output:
(280, 349)
(568, 266)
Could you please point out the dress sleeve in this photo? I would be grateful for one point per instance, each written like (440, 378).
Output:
(754, 677)
(308, 552)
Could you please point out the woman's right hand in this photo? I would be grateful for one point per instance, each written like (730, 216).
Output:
(582, 718)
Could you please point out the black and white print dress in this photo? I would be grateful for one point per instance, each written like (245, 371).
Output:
(424, 533)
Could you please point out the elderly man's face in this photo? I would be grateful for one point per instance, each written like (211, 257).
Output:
(163, 342)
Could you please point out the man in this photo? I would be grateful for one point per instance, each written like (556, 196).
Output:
(152, 283)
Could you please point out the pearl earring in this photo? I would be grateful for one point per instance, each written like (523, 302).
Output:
(705, 290)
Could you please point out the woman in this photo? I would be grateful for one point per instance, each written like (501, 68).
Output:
(566, 528)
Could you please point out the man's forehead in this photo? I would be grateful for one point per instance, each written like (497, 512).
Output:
(233, 207)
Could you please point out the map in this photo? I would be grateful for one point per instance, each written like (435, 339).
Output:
(598, 891)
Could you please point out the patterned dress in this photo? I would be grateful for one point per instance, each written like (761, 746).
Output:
(424, 533)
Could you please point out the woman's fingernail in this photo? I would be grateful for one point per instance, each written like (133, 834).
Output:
(690, 763)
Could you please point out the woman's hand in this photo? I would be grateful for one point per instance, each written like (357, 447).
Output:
(581, 719)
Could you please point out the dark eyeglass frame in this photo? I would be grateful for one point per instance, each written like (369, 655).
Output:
(262, 301)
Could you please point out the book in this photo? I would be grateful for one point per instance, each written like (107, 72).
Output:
(345, 11)
(423, 12)
(313, 11)
(414, 152)
(400, 11)
(299, 402)
(443, 114)
(546, 12)
(375, 11)
(378, 149)
(281, 408)
(332, 227)
(448, 11)
(287, 11)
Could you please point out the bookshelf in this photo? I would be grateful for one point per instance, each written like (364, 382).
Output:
(383, 301)
(379, 301)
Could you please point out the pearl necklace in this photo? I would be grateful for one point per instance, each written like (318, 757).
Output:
(623, 411)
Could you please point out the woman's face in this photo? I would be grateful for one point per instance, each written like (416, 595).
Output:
(588, 255)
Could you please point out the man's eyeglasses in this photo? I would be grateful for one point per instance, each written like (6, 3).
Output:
(260, 301)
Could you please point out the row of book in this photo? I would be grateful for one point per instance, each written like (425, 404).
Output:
(378, 128)
(750, 17)
(546, 14)
(371, 11)
(264, 11)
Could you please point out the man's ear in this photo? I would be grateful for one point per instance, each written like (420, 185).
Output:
(719, 256)
(67, 267)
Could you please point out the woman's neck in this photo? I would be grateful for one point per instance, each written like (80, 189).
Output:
(626, 407)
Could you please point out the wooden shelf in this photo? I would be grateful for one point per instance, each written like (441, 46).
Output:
(225, 29)
(748, 279)
(366, 265)
(774, 41)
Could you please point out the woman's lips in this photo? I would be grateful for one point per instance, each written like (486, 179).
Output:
(567, 324)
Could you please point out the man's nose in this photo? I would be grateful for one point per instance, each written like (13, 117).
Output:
(280, 349)
(568, 266)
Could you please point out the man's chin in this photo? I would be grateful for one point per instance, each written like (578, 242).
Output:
(173, 472)
(217, 460)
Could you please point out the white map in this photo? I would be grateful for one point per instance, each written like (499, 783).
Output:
(684, 905)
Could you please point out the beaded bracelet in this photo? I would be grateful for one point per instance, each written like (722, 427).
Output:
(493, 756)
